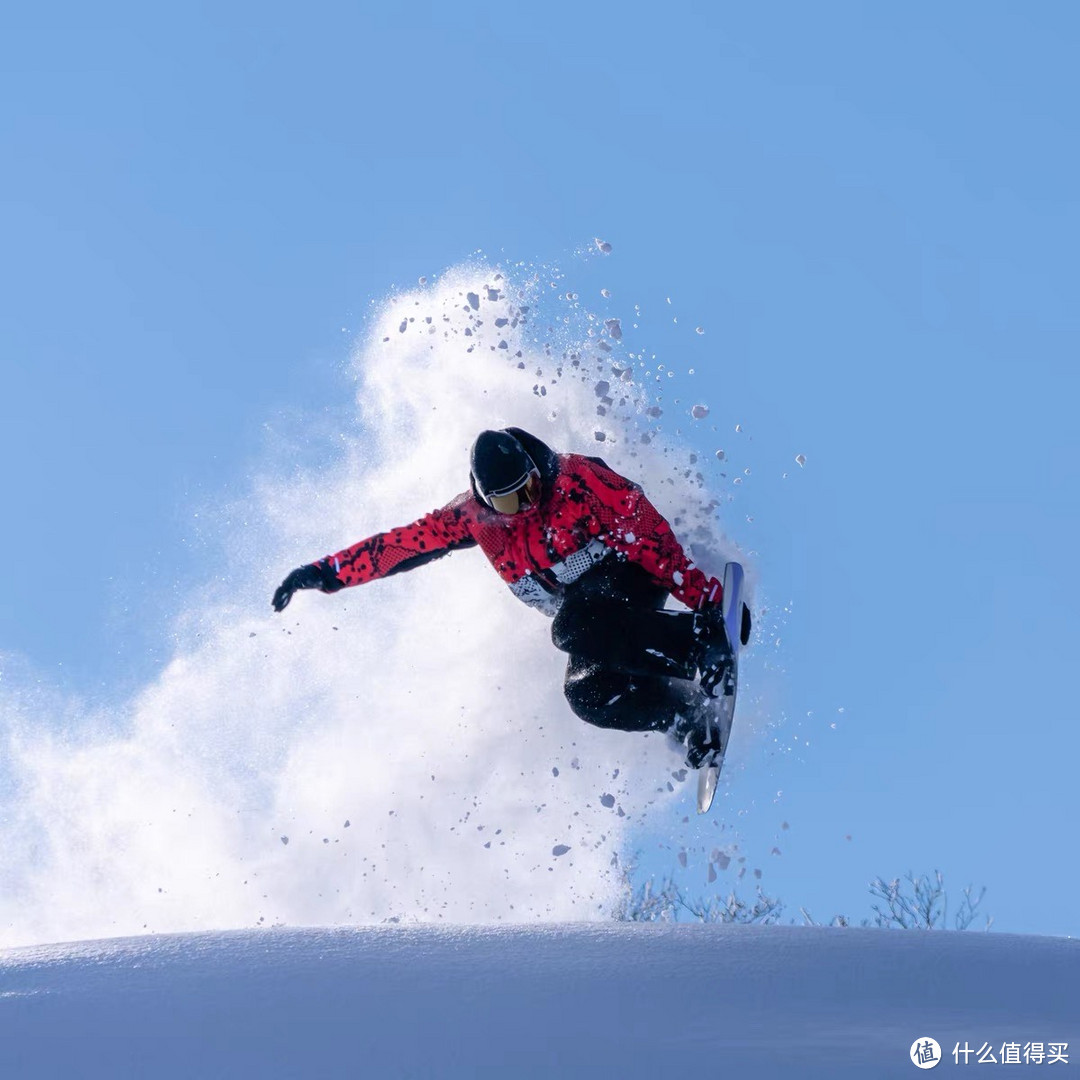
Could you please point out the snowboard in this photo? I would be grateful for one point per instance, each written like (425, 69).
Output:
(737, 624)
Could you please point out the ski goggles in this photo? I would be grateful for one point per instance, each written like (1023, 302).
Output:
(519, 496)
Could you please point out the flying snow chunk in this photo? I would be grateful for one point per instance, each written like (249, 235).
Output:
(614, 328)
(560, 849)
(602, 245)
(605, 293)
(800, 459)
(699, 412)
(474, 300)
(719, 455)
(600, 436)
(699, 329)
(607, 801)
(421, 281)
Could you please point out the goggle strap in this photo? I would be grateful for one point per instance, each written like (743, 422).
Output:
(517, 485)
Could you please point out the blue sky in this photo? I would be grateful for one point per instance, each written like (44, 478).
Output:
(870, 211)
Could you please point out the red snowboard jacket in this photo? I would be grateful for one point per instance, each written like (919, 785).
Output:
(586, 513)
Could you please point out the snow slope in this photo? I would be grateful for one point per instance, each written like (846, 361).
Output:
(627, 1000)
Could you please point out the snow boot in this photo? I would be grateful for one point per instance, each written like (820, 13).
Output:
(695, 728)
(712, 652)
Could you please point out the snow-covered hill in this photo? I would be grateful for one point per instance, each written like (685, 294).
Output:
(624, 1000)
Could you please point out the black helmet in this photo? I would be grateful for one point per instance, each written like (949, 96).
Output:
(504, 477)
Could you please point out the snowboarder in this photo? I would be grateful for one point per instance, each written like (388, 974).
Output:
(583, 544)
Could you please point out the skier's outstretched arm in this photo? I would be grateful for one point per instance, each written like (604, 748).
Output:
(432, 536)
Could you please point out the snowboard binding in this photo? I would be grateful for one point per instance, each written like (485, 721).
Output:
(715, 631)
(713, 651)
(696, 731)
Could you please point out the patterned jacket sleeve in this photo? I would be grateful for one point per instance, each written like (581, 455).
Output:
(642, 535)
(430, 537)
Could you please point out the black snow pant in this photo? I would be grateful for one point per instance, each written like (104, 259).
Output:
(630, 662)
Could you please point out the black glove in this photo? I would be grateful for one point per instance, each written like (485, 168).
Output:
(312, 576)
